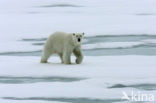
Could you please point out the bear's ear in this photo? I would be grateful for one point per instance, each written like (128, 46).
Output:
(83, 33)
(73, 34)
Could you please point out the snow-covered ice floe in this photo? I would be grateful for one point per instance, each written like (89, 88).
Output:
(25, 19)
(96, 80)
(110, 26)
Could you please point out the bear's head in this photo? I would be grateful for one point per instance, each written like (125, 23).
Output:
(77, 38)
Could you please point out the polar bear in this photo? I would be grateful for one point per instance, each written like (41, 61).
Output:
(63, 44)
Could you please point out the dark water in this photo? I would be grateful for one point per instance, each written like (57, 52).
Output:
(140, 49)
(70, 100)
(137, 86)
(23, 80)
(60, 5)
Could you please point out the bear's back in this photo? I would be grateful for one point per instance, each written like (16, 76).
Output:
(57, 37)
(57, 40)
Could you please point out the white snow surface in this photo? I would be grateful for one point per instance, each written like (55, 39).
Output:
(39, 18)
(97, 73)
(28, 19)
(31, 18)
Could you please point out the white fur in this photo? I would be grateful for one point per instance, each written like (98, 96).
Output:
(63, 44)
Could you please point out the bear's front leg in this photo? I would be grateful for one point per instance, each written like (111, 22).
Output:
(79, 56)
(79, 59)
(66, 56)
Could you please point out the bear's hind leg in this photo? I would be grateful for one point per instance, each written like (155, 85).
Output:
(61, 57)
(66, 57)
(45, 56)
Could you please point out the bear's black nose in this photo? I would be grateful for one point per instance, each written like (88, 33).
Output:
(79, 39)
